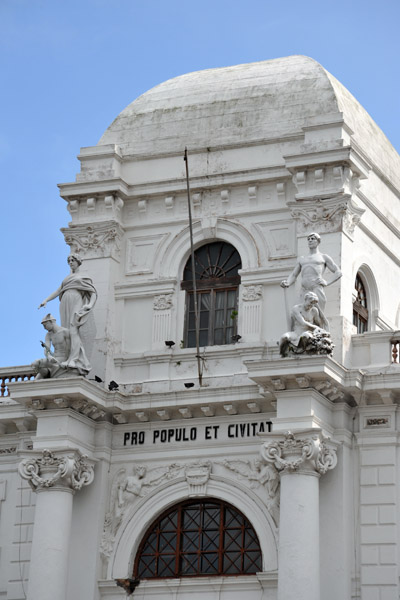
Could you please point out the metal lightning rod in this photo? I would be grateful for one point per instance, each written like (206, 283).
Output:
(196, 310)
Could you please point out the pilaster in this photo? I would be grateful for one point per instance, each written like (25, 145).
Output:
(55, 476)
(301, 458)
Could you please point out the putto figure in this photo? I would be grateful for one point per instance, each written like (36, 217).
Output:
(312, 268)
(77, 297)
(309, 330)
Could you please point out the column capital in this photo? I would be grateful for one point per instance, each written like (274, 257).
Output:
(67, 470)
(307, 452)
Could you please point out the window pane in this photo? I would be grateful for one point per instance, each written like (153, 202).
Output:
(209, 562)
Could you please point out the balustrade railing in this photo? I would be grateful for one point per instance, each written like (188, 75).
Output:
(9, 374)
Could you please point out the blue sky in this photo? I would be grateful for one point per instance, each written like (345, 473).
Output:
(68, 67)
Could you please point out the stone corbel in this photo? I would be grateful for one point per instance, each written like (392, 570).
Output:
(97, 240)
(61, 469)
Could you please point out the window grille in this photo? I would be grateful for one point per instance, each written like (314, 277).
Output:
(360, 308)
(207, 537)
(217, 280)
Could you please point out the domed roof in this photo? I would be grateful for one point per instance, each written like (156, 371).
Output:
(244, 104)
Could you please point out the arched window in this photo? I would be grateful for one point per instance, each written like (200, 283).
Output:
(360, 307)
(217, 280)
(203, 537)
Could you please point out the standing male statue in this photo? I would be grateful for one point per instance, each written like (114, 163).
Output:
(312, 268)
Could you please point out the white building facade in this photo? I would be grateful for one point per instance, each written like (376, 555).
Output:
(167, 487)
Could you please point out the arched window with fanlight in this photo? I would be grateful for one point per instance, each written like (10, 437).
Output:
(360, 307)
(217, 281)
(199, 537)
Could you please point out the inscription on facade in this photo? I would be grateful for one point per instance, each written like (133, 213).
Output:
(192, 434)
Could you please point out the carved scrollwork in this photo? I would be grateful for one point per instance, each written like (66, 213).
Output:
(327, 215)
(162, 302)
(292, 454)
(252, 293)
(49, 470)
(97, 240)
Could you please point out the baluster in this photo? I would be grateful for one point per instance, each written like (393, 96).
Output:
(2, 387)
(395, 352)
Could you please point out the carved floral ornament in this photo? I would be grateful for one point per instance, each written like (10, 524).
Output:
(327, 215)
(94, 240)
(162, 302)
(49, 470)
(309, 454)
(252, 293)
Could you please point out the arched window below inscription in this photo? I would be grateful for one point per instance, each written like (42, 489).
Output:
(202, 537)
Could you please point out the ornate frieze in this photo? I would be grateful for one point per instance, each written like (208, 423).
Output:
(310, 454)
(50, 469)
(96, 240)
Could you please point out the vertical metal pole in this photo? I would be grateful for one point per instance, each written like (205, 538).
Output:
(196, 310)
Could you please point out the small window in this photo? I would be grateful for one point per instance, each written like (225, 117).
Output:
(206, 537)
(217, 280)
(360, 307)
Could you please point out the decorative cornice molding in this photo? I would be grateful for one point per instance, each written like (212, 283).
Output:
(49, 469)
(309, 454)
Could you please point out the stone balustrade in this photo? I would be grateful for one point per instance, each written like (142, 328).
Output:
(9, 374)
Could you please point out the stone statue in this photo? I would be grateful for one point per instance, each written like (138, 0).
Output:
(312, 268)
(77, 296)
(54, 363)
(308, 330)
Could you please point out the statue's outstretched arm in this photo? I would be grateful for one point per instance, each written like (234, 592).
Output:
(51, 297)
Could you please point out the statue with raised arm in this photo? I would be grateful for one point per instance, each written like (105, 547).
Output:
(312, 268)
(308, 330)
(77, 296)
(53, 365)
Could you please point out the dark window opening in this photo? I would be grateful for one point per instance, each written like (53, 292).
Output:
(217, 280)
(360, 308)
(207, 537)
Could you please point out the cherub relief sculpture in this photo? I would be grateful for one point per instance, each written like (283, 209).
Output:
(259, 473)
(125, 489)
(312, 268)
(308, 330)
(77, 296)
